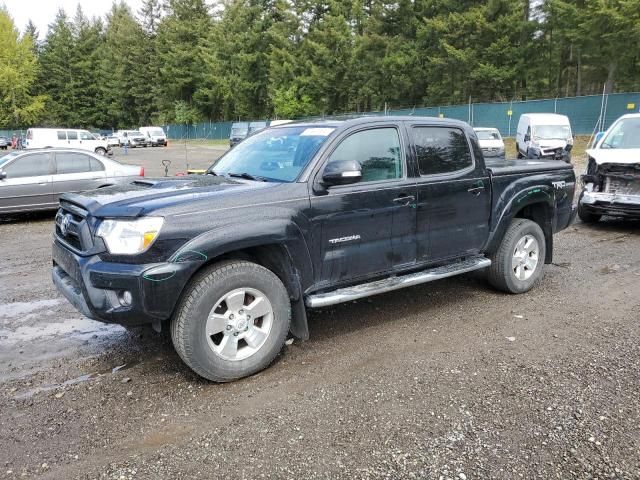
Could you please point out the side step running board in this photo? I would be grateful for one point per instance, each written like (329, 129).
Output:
(395, 283)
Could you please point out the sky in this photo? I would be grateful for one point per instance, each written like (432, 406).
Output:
(42, 12)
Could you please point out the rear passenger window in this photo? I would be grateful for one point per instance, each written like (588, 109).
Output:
(62, 135)
(72, 163)
(96, 165)
(377, 150)
(33, 165)
(72, 135)
(441, 150)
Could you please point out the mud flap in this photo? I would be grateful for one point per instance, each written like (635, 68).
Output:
(299, 327)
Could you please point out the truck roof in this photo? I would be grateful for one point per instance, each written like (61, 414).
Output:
(348, 121)
(547, 118)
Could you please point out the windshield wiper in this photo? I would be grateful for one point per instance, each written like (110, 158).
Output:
(211, 172)
(248, 176)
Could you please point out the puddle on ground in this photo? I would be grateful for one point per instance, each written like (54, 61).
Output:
(81, 328)
(73, 381)
(12, 310)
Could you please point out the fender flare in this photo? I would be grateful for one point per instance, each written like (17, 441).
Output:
(531, 195)
(297, 273)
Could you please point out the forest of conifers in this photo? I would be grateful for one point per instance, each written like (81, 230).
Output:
(184, 61)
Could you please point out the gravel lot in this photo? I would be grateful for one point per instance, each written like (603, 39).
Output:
(446, 380)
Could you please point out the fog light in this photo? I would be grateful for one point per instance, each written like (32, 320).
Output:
(125, 298)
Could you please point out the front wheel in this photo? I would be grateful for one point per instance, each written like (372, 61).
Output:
(232, 321)
(518, 263)
(101, 151)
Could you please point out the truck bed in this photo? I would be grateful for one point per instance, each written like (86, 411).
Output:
(500, 167)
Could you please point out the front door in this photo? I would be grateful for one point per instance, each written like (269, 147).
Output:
(27, 185)
(454, 194)
(367, 228)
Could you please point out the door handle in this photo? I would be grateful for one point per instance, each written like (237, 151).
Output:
(477, 190)
(404, 199)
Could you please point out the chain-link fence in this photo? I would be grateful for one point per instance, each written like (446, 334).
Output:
(586, 114)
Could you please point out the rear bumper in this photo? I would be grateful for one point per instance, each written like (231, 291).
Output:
(611, 204)
(95, 288)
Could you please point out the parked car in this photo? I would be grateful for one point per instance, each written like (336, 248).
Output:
(334, 212)
(544, 135)
(4, 143)
(113, 140)
(490, 142)
(155, 136)
(64, 138)
(34, 179)
(612, 179)
(239, 132)
(133, 138)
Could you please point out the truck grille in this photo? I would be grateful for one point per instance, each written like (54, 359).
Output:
(622, 186)
(72, 228)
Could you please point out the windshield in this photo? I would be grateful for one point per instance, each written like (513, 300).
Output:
(157, 132)
(552, 132)
(7, 157)
(136, 133)
(624, 134)
(277, 154)
(239, 131)
(488, 134)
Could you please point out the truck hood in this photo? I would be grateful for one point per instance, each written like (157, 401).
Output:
(143, 196)
(624, 156)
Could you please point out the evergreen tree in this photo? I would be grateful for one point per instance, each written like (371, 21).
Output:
(56, 72)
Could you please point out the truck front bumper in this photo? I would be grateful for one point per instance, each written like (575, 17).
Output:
(122, 293)
(611, 204)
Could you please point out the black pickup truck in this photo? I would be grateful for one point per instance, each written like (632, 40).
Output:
(304, 216)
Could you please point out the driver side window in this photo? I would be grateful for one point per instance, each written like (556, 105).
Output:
(377, 150)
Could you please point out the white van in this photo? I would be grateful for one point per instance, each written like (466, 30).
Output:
(540, 135)
(65, 138)
(155, 136)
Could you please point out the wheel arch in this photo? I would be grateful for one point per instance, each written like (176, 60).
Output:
(536, 204)
(288, 258)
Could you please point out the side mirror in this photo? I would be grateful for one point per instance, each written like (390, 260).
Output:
(599, 135)
(3, 174)
(342, 172)
(527, 138)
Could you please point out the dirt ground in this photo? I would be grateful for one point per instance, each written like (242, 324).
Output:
(445, 380)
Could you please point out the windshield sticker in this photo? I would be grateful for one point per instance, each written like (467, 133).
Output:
(316, 132)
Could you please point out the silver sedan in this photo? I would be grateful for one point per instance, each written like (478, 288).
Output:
(33, 180)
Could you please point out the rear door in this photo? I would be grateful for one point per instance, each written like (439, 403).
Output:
(76, 172)
(367, 228)
(454, 193)
(28, 185)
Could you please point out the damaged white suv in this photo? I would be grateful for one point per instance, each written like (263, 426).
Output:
(612, 180)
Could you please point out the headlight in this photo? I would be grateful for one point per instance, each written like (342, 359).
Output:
(128, 237)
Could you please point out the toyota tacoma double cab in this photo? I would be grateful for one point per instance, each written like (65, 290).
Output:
(304, 216)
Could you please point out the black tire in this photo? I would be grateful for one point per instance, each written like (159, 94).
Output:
(101, 151)
(586, 216)
(501, 274)
(202, 295)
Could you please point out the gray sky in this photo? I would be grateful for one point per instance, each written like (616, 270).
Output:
(42, 12)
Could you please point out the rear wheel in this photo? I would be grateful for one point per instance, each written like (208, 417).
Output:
(232, 321)
(518, 264)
